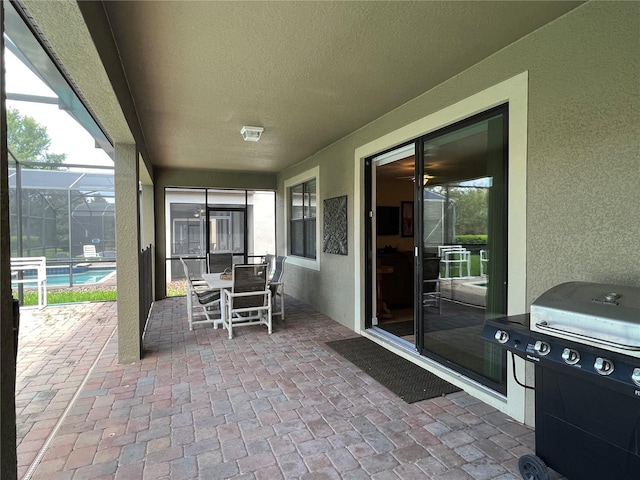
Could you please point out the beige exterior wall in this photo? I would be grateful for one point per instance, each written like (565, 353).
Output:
(582, 157)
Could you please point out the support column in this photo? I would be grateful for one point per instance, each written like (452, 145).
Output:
(127, 253)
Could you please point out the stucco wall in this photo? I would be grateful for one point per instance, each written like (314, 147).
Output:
(583, 165)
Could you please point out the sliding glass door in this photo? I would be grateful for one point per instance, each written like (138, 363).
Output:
(462, 243)
(437, 243)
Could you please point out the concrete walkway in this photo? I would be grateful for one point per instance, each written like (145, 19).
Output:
(200, 406)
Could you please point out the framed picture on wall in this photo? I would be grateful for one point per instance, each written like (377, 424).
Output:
(406, 211)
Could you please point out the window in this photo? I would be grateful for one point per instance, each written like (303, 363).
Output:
(302, 219)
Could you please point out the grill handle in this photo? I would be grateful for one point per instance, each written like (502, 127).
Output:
(608, 343)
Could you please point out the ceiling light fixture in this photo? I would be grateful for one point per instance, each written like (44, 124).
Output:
(425, 178)
(251, 134)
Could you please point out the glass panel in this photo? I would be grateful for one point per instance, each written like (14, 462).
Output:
(463, 199)
(261, 216)
(311, 200)
(226, 231)
(297, 203)
(302, 223)
(297, 238)
(310, 238)
(187, 227)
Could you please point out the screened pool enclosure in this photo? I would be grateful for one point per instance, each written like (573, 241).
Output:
(67, 217)
(58, 213)
(61, 170)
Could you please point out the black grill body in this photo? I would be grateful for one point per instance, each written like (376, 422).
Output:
(587, 424)
(587, 427)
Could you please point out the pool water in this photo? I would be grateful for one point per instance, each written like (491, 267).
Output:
(88, 277)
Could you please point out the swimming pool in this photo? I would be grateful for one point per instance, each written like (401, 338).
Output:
(86, 277)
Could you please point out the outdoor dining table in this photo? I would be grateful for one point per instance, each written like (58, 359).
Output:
(214, 282)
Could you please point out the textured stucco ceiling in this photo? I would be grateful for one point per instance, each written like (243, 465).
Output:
(310, 73)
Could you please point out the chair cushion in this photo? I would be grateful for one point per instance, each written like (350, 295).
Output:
(208, 296)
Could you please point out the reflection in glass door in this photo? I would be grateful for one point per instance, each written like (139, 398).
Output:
(462, 259)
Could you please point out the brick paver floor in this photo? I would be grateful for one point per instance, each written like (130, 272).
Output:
(57, 348)
(264, 407)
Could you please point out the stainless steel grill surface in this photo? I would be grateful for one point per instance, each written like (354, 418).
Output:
(601, 315)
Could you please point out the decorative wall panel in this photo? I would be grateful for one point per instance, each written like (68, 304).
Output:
(335, 225)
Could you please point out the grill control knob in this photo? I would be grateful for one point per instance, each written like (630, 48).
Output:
(635, 376)
(542, 348)
(570, 356)
(501, 336)
(603, 366)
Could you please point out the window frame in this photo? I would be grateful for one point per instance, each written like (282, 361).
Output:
(306, 262)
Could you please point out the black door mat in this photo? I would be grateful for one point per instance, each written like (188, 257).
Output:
(404, 378)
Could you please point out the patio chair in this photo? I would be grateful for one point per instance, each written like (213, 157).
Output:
(196, 280)
(30, 266)
(89, 251)
(484, 261)
(109, 254)
(276, 285)
(249, 301)
(431, 294)
(455, 256)
(200, 298)
(268, 259)
(219, 262)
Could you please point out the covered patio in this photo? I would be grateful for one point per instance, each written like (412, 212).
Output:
(257, 407)
(164, 89)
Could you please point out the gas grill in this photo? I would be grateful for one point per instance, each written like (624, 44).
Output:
(584, 339)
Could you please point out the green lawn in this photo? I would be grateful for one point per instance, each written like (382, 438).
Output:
(31, 298)
(475, 267)
(53, 297)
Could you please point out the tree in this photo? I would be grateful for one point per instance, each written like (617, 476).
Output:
(97, 198)
(44, 211)
(471, 210)
(29, 141)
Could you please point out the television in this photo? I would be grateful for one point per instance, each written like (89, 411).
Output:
(388, 220)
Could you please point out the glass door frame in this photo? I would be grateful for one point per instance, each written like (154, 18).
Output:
(418, 215)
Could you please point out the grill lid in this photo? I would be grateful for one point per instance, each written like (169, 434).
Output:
(594, 313)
